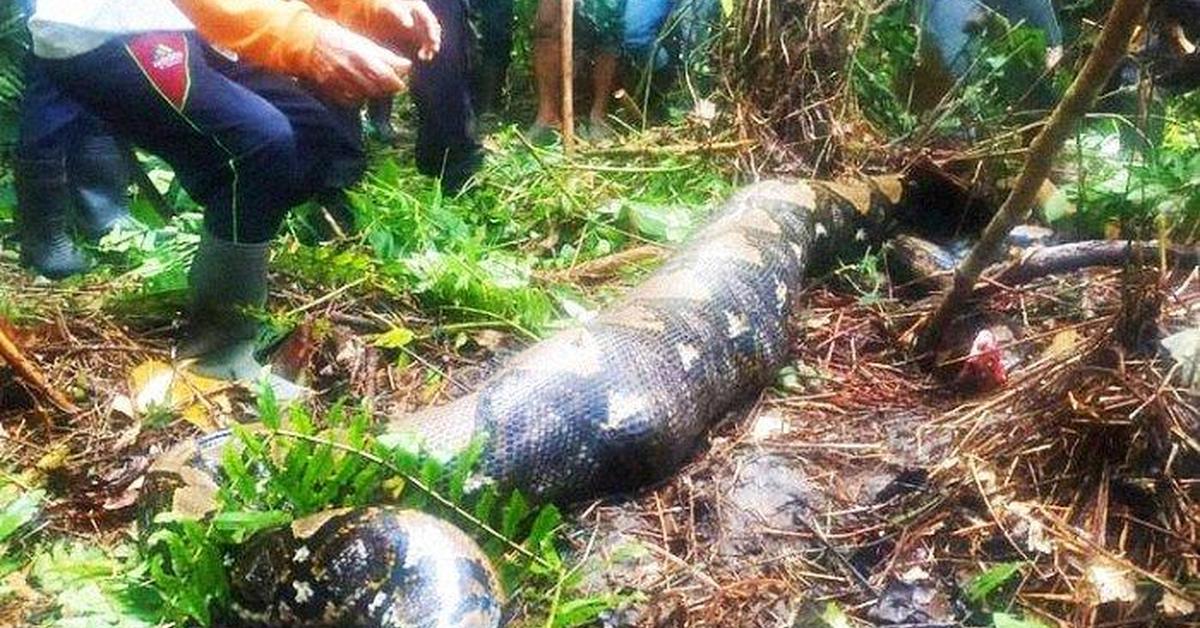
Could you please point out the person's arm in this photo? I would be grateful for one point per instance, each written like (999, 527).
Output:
(282, 35)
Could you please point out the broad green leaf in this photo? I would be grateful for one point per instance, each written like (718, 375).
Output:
(834, 616)
(988, 582)
(19, 512)
(581, 612)
(242, 524)
(1005, 620)
(395, 338)
(659, 222)
(515, 512)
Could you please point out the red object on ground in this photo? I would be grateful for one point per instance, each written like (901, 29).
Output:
(984, 364)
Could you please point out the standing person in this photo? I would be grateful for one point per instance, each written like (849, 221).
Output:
(599, 28)
(949, 27)
(494, 22)
(447, 146)
(67, 166)
(663, 39)
(245, 138)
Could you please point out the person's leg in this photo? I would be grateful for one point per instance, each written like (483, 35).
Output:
(697, 20)
(604, 83)
(547, 64)
(947, 27)
(446, 144)
(643, 24)
(495, 24)
(329, 139)
(379, 116)
(235, 153)
(43, 194)
(600, 31)
(99, 173)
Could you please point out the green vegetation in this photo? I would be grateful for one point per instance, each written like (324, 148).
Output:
(292, 468)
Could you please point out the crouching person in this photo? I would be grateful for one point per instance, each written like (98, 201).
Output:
(245, 139)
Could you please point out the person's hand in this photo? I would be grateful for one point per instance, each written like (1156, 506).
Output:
(351, 68)
(415, 25)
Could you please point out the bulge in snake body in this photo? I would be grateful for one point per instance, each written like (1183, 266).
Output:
(622, 401)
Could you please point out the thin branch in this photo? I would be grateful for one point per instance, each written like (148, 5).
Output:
(27, 371)
(1114, 41)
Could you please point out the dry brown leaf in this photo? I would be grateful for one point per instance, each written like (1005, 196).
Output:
(1111, 582)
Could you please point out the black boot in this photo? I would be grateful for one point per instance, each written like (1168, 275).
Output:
(43, 203)
(99, 174)
(490, 76)
(453, 166)
(379, 114)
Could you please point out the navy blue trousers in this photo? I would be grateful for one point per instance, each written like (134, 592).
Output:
(50, 122)
(441, 91)
(245, 143)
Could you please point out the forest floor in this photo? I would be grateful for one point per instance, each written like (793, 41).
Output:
(861, 488)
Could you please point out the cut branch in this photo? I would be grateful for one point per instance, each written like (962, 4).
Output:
(1113, 42)
(1066, 258)
(923, 264)
(31, 375)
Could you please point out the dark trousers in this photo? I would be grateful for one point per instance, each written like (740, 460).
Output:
(50, 123)
(494, 23)
(441, 90)
(246, 144)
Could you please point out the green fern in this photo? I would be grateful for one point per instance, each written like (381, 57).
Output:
(13, 46)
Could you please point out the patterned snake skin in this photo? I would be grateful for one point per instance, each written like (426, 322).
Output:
(622, 401)
(610, 406)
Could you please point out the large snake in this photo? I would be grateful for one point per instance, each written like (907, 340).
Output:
(608, 406)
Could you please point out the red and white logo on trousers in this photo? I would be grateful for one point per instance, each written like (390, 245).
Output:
(163, 58)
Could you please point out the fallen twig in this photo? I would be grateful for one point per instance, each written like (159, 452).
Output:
(602, 269)
(31, 375)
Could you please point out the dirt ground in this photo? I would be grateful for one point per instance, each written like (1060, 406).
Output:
(863, 478)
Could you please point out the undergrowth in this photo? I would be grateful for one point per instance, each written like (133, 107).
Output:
(478, 257)
(294, 467)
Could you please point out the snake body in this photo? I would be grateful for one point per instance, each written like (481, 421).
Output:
(622, 401)
(604, 407)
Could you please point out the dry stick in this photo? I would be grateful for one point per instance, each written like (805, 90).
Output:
(26, 370)
(567, 52)
(1114, 41)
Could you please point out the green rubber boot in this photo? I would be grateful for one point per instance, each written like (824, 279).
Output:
(100, 178)
(228, 281)
(43, 208)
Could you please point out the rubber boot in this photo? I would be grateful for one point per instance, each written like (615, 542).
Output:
(490, 77)
(379, 114)
(99, 174)
(228, 280)
(43, 206)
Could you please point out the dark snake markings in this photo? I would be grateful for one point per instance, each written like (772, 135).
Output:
(610, 406)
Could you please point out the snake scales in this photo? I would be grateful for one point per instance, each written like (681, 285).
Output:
(609, 406)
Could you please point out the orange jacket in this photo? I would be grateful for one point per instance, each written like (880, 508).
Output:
(276, 34)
